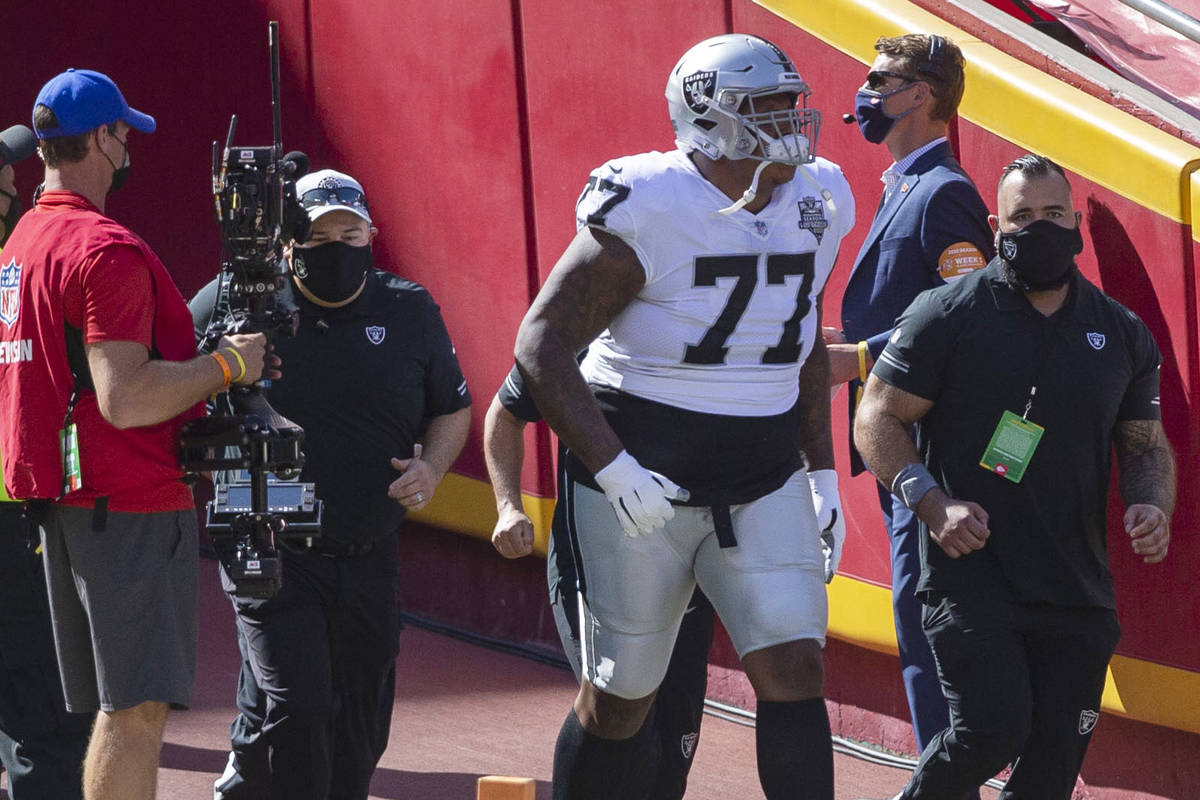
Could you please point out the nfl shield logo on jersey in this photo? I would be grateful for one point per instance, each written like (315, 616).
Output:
(812, 217)
(10, 292)
(375, 333)
(1087, 721)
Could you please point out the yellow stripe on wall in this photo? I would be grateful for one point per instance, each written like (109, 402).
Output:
(1022, 104)
(859, 612)
(467, 505)
(1195, 189)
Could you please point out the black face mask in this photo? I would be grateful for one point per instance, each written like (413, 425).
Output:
(119, 177)
(14, 214)
(121, 173)
(332, 272)
(1041, 255)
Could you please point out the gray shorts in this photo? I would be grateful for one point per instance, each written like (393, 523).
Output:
(768, 590)
(123, 606)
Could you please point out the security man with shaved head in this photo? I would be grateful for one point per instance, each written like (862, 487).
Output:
(1021, 379)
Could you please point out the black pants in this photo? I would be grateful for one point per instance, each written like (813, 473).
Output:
(1024, 685)
(318, 679)
(41, 744)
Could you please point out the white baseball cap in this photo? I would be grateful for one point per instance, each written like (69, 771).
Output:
(328, 190)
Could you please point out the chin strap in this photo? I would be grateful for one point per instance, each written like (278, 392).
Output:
(826, 195)
(748, 195)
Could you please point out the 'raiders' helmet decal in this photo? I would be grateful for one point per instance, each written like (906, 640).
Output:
(697, 87)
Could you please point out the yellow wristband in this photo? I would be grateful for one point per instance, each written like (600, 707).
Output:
(862, 361)
(223, 364)
(242, 364)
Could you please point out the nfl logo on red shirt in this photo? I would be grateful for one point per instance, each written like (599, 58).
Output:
(10, 292)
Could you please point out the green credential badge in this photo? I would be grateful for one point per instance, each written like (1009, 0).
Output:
(1011, 448)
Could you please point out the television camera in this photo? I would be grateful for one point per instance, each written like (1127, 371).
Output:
(254, 451)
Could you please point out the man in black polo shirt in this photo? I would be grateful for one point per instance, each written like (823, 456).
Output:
(1022, 376)
(374, 373)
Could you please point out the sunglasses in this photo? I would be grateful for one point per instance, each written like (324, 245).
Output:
(878, 78)
(344, 196)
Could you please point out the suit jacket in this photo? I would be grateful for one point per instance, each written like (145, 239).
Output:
(932, 227)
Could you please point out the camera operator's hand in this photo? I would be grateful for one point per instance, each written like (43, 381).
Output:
(252, 349)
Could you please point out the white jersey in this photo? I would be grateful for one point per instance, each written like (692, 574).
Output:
(729, 310)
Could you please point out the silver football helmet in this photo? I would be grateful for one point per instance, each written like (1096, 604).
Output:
(708, 87)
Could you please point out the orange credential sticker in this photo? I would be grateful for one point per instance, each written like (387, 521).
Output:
(960, 258)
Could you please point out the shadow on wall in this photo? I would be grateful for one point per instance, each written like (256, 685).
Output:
(1123, 275)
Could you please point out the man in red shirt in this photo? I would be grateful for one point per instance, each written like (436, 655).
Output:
(98, 373)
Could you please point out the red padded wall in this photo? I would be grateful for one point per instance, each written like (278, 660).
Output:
(420, 99)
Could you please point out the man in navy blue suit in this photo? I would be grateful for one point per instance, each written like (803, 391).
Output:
(930, 228)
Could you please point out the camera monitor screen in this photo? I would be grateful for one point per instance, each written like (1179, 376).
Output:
(279, 497)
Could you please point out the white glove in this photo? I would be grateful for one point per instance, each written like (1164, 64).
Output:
(638, 495)
(830, 519)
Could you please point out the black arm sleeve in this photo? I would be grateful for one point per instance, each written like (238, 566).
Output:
(516, 399)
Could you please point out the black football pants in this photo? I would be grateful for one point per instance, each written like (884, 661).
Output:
(317, 684)
(1024, 686)
(41, 744)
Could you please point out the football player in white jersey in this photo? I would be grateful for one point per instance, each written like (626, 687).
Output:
(698, 425)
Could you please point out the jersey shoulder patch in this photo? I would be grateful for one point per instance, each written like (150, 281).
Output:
(822, 174)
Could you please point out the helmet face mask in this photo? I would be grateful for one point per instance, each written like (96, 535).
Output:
(714, 95)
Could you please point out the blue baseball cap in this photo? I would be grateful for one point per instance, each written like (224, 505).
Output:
(83, 100)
